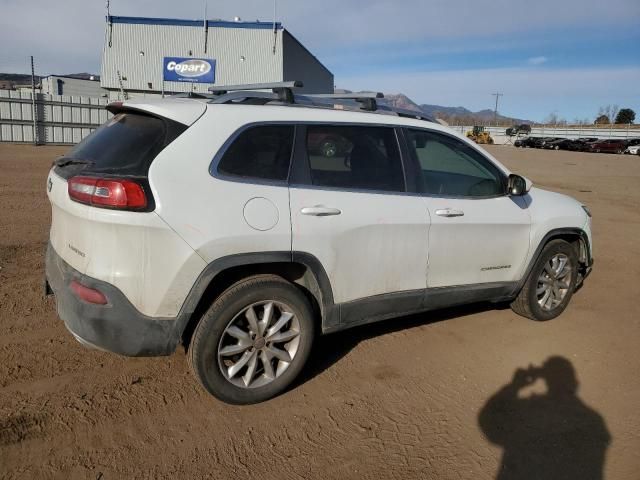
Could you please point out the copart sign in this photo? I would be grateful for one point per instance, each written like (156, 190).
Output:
(194, 70)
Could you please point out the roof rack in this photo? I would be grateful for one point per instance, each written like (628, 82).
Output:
(284, 90)
(366, 99)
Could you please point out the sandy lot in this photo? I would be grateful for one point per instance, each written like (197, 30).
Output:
(429, 396)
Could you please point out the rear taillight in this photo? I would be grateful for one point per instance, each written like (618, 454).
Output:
(107, 192)
(87, 294)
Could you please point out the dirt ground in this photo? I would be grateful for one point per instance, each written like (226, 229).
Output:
(428, 396)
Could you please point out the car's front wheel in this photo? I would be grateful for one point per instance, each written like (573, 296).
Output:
(253, 341)
(550, 284)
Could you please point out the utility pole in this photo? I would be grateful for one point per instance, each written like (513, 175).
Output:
(495, 112)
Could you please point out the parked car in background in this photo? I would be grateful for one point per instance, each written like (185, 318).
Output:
(542, 141)
(558, 144)
(608, 146)
(516, 129)
(632, 142)
(525, 142)
(581, 144)
(633, 150)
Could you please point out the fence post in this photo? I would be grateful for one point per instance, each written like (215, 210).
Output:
(33, 104)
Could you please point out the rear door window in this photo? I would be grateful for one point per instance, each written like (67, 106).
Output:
(261, 152)
(126, 144)
(354, 157)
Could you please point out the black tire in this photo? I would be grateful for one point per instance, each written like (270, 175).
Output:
(203, 352)
(526, 303)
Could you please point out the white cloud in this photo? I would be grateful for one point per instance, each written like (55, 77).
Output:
(537, 60)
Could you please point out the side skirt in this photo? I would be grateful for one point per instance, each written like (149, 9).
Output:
(382, 307)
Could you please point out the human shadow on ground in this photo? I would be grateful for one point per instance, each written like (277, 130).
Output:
(548, 436)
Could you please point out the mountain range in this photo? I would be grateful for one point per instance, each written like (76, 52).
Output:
(452, 115)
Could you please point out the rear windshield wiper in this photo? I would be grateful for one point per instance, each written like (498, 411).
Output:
(63, 162)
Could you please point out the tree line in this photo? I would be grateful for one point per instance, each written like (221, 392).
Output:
(608, 114)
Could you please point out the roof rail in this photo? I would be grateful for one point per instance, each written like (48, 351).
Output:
(284, 90)
(406, 113)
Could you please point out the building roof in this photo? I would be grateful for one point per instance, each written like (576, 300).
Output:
(192, 23)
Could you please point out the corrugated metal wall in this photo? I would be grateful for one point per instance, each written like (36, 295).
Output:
(60, 119)
(226, 45)
(71, 86)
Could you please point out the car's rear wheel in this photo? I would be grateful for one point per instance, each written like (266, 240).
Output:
(550, 284)
(253, 341)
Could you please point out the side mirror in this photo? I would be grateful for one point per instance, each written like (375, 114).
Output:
(518, 185)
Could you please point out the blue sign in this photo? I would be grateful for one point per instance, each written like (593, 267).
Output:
(194, 70)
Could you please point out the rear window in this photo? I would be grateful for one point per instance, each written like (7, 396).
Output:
(126, 144)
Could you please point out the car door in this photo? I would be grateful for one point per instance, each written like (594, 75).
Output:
(478, 234)
(350, 210)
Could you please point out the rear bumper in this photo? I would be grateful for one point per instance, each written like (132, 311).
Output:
(117, 326)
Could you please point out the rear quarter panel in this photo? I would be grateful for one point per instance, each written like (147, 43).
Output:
(136, 252)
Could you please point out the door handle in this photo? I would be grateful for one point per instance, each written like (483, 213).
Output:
(449, 212)
(320, 211)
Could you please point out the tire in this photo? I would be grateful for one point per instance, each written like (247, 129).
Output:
(527, 303)
(209, 353)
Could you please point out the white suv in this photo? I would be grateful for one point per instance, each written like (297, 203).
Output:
(244, 224)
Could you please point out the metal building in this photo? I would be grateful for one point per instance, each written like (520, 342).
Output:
(65, 85)
(152, 56)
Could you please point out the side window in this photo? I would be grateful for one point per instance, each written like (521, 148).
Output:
(450, 167)
(262, 152)
(354, 157)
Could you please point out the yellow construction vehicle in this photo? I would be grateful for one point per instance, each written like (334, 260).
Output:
(478, 135)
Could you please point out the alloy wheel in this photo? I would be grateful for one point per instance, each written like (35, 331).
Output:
(259, 344)
(554, 282)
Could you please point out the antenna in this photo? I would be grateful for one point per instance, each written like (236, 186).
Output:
(110, 23)
(204, 26)
(275, 32)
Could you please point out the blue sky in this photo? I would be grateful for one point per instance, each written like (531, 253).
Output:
(563, 56)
